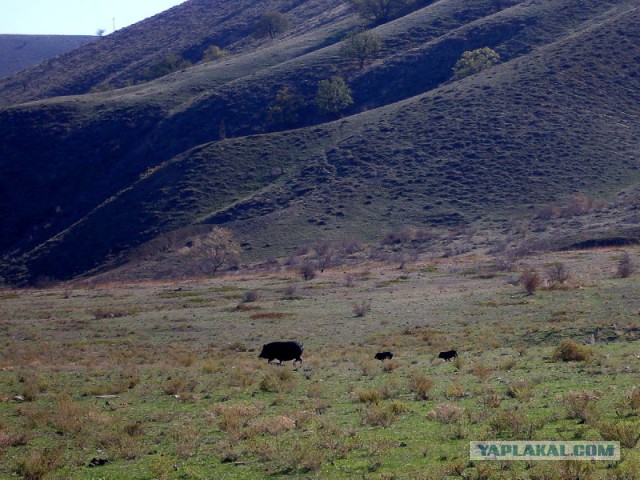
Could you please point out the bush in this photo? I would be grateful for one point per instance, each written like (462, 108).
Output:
(474, 61)
(570, 351)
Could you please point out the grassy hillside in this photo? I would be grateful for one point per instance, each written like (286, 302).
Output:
(18, 52)
(556, 118)
(121, 58)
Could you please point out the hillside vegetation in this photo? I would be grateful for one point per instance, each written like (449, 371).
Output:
(92, 176)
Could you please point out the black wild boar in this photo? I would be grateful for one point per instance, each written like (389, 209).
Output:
(282, 351)
(448, 355)
(383, 356)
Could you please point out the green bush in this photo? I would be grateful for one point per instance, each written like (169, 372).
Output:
(474, 61)
(333, 95)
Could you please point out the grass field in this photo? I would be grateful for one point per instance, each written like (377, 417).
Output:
(162, 380)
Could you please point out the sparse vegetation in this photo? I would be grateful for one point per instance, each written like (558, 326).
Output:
(213, 52)
(170, 63)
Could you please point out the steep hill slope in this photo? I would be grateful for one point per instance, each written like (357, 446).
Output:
(558, 117)
(18, 52)
(121, 58)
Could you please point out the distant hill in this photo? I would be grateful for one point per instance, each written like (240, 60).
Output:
(18, 52)
(88, 178)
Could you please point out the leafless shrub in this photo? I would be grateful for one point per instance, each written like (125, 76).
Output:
(627, 265)
(548, 212)
(530, 281)
(354, 246)
(308, 271)
(349, 280)
(290, 291)
(557, 273)
(362, 308)
(251, 296)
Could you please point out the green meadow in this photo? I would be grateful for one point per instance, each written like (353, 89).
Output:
(162, 380)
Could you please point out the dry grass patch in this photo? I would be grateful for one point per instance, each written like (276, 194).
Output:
(446, 413)
(271, 315)
(273, 425)
(38, 462)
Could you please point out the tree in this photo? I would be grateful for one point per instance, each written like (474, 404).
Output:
(286, 108)
(361, 46)
(380, 11)
(333, 95)
(100, 32)
(271, 24)
(475, 61)
(214, 250)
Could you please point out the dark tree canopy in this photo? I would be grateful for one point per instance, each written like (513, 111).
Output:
(271, 24)
(380, 11)
(286, 108)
